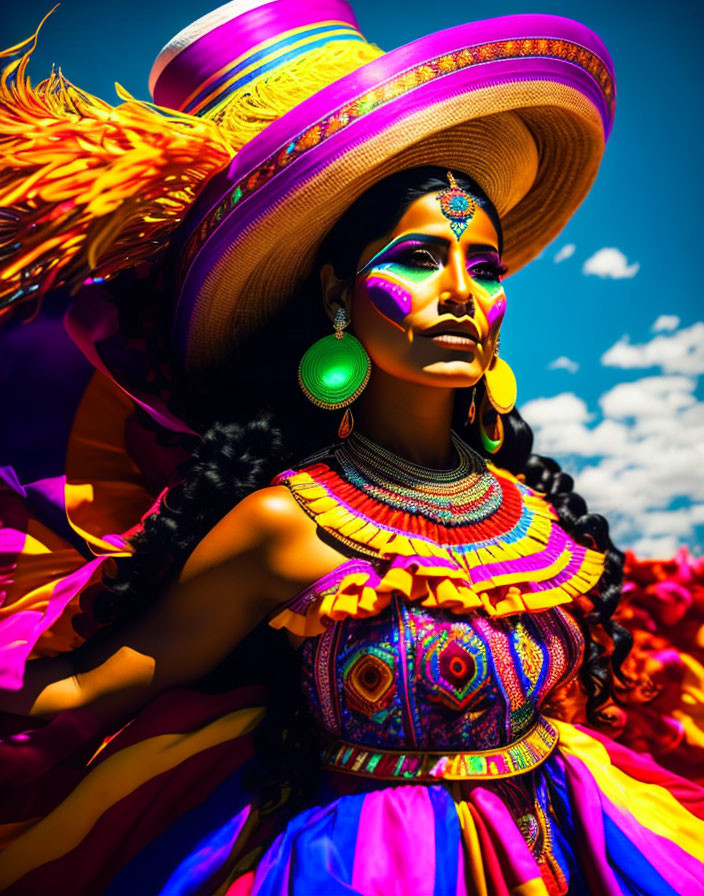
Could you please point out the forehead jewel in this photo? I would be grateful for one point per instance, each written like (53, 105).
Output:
(457, 206)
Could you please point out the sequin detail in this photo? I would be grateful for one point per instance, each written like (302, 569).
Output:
(515, 759)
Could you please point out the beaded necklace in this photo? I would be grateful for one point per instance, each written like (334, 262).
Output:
(468, 493)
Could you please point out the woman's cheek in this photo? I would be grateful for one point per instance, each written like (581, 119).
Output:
(389, 298)
(496, 313)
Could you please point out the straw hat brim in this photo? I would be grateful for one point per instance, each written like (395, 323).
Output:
(523, 104)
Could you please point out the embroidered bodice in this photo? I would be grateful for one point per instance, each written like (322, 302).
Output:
(413, 679)
(430, 653)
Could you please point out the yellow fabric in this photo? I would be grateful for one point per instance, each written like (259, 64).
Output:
(474, 865)
(445, 585)
(651, 805)
(112, 780)
(473, 849)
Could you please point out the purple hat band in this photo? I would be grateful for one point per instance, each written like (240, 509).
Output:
(295, 148)
(268, 32)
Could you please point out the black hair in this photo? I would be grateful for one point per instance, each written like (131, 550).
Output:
(255, 422)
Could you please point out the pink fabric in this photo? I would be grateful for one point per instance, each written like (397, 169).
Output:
(517, 862)
(21, 631)
(396, 823)
(587, 810)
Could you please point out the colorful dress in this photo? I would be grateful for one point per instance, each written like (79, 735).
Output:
(432, 666)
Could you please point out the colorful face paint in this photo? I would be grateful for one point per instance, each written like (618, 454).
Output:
(389, 298)
(486, 270)
(392, 271)
(496, 313)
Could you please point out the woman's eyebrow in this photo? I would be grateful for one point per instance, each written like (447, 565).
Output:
(406, 238)
(476, 248)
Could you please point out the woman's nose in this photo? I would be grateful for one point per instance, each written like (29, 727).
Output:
(457, 294)
(456, 304)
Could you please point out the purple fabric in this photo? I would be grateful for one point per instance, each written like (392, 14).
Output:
(42, 379)
(281, 132)
(92, 324)
(189, 70)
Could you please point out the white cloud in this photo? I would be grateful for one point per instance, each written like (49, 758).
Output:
(658, 548)
(567, 251)
(679, 352)
(653, 396)
(564, 363)
(666, 322)
(609, 262)
(640, 462)
(565, 408)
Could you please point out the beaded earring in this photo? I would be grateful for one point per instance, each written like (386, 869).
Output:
(335, 370)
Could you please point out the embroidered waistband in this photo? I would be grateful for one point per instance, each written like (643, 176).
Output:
(516, 758)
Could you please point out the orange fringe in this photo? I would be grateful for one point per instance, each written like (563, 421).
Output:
(87, 188)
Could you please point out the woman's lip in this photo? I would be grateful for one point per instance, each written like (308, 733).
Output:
(455, 341)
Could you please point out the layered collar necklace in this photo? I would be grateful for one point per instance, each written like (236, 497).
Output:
(468, 493)
(473, 537)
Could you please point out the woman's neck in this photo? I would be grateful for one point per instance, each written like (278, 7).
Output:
(411, 420)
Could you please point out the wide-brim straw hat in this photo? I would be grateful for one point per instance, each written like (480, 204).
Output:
(311, 115)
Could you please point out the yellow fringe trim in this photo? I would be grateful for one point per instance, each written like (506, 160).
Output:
(92, 188)
(247, 111)
(87, 188)
(447, 587)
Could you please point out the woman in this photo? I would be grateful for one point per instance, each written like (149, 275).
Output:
(435, 602)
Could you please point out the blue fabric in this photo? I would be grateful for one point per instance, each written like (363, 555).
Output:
(447, 841)
(196, 834)
(315, 854)
(634, 873)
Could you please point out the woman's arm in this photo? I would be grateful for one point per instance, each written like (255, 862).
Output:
(254, 559)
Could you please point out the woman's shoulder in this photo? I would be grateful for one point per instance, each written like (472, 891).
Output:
(266, 516)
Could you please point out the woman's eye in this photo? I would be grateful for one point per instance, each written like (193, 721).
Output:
(487, 270)
(421, 258)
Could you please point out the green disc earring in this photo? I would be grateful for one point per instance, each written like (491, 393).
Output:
(335, 369)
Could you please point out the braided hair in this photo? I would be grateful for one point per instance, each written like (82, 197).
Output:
(255, 422)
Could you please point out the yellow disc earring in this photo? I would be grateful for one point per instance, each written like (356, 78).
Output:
(501, 387)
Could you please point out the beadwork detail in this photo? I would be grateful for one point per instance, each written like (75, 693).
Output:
(514, 759)
(468, 493)
(457, 206)
(471, 538)
(423, 681)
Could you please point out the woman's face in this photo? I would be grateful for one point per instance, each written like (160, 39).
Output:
(426, 305)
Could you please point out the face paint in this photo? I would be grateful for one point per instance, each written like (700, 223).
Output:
(498, 309)
(486, 271)
(390, 271)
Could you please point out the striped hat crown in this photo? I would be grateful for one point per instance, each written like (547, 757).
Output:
(246, 64)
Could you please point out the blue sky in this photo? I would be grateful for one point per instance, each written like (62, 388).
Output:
(623, 408)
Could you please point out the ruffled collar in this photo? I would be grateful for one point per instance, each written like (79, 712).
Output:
(513, 559)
